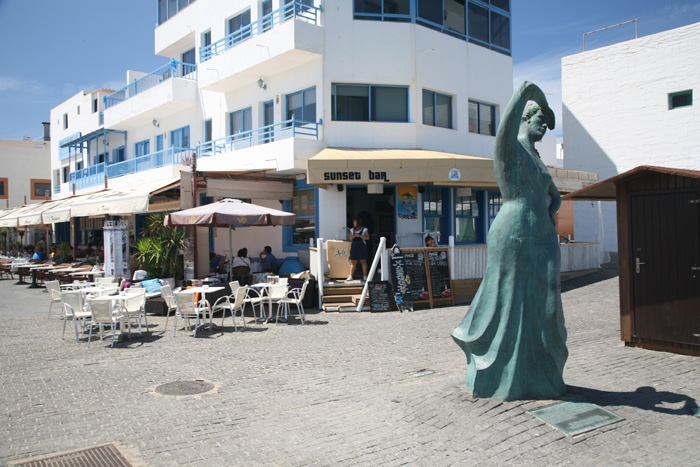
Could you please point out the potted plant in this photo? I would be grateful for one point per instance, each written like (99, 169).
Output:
(158, 251)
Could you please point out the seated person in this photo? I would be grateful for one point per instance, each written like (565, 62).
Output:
(40, 255)
(217, 263)
(430, 241)
(268, 260)
(241, 258)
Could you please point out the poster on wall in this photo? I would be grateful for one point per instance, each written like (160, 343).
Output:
(408, 202)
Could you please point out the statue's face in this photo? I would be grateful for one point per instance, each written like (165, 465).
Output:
(538, 125)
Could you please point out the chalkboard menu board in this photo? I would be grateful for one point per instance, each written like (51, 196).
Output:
(379, 299)
(415, 268)
(439, 274)
(400, 282)
(428, 274)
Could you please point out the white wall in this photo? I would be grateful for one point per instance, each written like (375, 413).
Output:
(22, 161)
(616, 114)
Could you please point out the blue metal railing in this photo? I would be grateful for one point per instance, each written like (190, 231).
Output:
(262, 135)
(296, 10)
(94, 175)
(174, 69)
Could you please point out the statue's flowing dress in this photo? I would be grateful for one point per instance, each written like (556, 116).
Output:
(513, 333)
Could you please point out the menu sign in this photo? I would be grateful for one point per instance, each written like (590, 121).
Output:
(400, 281)
(428, 274)
(379, 296)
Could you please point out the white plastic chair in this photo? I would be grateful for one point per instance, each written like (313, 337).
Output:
(275, 293)
(256, 297)
(294, 296)
(74, 310)
(54, 289)
(167, 294)
(104, 280)
(233, 303)
(133, 308)
(102, 315)
(188, 309)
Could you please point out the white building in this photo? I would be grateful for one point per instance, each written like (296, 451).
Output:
(627, 105)
(296, 104)
(24, 179)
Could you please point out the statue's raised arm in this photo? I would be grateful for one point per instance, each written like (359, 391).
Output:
(513, 132)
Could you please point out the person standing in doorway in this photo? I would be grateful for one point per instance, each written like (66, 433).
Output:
(358, 249)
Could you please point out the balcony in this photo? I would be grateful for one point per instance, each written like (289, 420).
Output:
(160, 93)
(94, 175)
(266, 134)
(174, 31)
(284, 39)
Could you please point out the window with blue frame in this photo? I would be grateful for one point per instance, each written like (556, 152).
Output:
(369, 103)
(159, 142)
(119, 154)
(302, 105)
(303, 205)
(168, 8)
(206, 39)
(495, 204)
(208, 132)
(292, 6)
(266, 10)
(483, 22)
(482, 118)
(435, 214)
(437, 109)
(180, 138)
(240, 122)
(469, 218)
(238, 26)
(142, 148)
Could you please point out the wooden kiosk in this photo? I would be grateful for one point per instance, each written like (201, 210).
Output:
(658, 228)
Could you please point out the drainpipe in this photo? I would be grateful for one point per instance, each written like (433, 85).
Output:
(194, 205)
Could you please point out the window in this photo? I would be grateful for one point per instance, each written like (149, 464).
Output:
(302, 105)
(41, 189)
(77, 110)
(240, 122)
(79, 164)
(468, 217)
(266, 10)
(100, 158)
(435, 202)
(207, 131)
(65, 121)
(483, 22)
(94, 105)
(168, 8)
(119, 155)
(482, 118)
(370, 103)
(303, 205)
(142, 148)
(180, 138)
(188, 57)
(292, 7)
(680, 99)
(495, 203)
(65, 173)
(3, 188)
(206, 39)
(238, 27)
(159, 143)
(437, 109)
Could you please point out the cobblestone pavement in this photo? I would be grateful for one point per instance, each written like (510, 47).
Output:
(339, 390)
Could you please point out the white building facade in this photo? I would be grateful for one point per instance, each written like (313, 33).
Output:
(627, 105)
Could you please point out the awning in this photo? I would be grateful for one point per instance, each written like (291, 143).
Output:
(398, 166)
(607, 189)
(419, 167)
(12, 218)
(35, 216)
(120, 201)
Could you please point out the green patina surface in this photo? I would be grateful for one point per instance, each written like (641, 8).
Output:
(513, 334)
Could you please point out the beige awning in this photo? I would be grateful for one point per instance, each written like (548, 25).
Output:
(398, 166)
(29, 212)
(120, 201)
(35, 216)
(418, 167)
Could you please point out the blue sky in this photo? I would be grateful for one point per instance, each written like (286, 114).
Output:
(54, 49)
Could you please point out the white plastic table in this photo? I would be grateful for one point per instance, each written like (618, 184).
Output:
(203, 290)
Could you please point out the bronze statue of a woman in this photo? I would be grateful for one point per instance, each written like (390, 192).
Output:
(513, 334)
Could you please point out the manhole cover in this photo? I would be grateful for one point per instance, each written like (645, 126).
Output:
(184, 388)
(98, 456)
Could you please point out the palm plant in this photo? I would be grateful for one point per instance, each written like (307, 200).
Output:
(158, 250)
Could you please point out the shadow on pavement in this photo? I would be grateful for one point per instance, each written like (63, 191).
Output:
(644, 397)
(607, 271)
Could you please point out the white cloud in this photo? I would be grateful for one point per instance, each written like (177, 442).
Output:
(14, 84)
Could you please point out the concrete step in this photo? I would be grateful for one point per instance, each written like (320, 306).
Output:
(344, 307)
(342, 290)
(349, 298)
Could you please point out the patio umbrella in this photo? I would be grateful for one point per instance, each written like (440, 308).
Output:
(229, 213)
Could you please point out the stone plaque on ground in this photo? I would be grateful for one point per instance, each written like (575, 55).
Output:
(574, 418)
